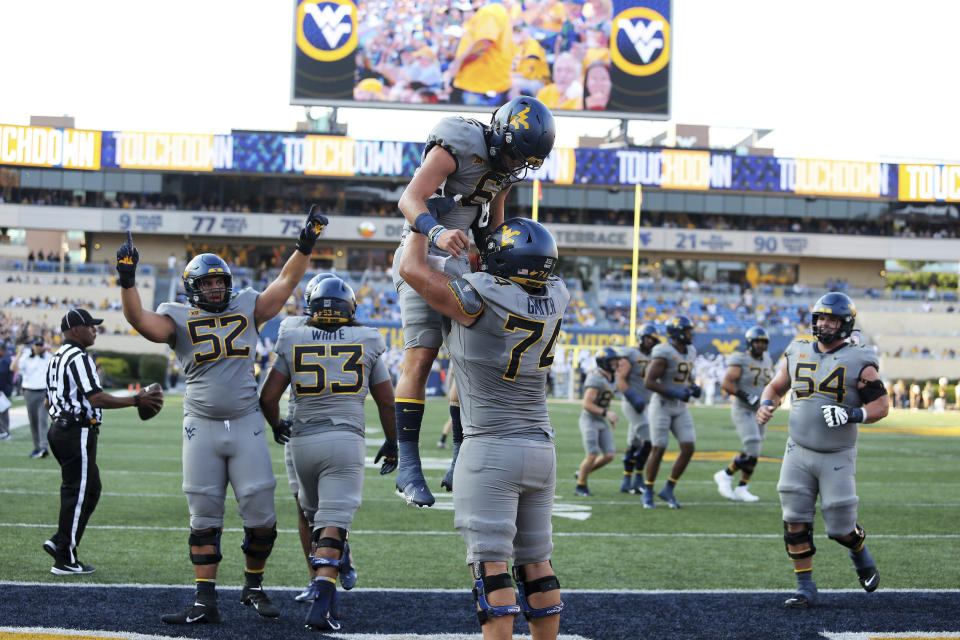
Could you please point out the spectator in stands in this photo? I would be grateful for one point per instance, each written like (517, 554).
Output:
(900, 394)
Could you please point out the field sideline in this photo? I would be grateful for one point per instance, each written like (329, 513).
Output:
(606, 544)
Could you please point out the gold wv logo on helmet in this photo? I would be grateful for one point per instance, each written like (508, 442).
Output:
(520, 119)
(507, 237)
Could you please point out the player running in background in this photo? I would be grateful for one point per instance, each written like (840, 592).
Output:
(748, 372)
(595, 431)
(215, 339)
(466, 171)
(331, 363)
(630, 382)
(835, 385)
(670, 376)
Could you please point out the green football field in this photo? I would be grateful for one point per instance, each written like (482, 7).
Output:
(908, 484)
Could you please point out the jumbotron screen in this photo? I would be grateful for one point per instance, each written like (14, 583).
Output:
(603, 58)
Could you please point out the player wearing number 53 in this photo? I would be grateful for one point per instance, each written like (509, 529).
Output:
(835, 385)
(215, 338)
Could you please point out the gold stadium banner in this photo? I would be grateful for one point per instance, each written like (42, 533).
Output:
(49, 147)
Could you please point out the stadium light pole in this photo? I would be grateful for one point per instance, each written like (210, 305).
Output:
(535, 207)
(637, 201)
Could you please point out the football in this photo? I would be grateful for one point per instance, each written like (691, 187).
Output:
(147, 412)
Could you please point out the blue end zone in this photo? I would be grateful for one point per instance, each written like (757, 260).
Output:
(594, 615)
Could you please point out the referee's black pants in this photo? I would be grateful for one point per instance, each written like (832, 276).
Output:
(75, 448)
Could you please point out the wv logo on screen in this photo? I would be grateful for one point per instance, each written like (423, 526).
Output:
(330, 21)
(327, 30)
(640, 40)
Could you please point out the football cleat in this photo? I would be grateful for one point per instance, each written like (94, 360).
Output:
(723, 484)
(194, 614)
(322, 615)
(869, 578)
(256, 597)
(414, 489)
(742, 493)
(638, 484)
(582, 491)
(626, 484)
(648, 498)
(348, 572)
(798, 601)
(71, 568)
(307, 595)
(667, 494)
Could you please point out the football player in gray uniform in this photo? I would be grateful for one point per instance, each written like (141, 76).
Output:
(670, 377)
(835, 385)
(630, 382)
(331, 363)
(215, 339)
(748, 372)
(466, 172)
(505, 322)
(598, 392)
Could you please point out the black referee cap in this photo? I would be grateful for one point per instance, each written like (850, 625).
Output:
(78, 318)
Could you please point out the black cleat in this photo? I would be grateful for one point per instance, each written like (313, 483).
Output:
(797, 601)
(259, 600)
(197, 613)
(71, 568)
(869, 579)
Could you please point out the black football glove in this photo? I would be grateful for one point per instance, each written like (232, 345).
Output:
(127, 259)
(695, 390)
(312, 229)
(388, 451)
(281, 432)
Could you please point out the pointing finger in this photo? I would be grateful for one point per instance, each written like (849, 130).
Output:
(129, 237)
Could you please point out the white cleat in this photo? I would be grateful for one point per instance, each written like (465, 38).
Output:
(723, 484)
(743, 494)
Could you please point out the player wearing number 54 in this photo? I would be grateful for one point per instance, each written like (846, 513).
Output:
(215, 337)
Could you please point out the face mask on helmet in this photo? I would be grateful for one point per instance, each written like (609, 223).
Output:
(521, 136)
(837, 305)
(607, 360)
(197, 279)
(680, 329)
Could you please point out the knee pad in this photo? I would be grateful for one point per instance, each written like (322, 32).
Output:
(483, 584)
(329, 543)
(855, 543)
(257, 545)
(797, 538)
(540, 585)
(750, 464)
(643, 454)
(204, 538)
(631, 452)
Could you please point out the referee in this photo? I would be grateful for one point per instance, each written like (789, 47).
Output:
(76, 404)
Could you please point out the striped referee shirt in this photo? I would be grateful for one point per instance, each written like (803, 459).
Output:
(71, 379)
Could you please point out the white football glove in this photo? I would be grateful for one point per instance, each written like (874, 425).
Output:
(834, 415)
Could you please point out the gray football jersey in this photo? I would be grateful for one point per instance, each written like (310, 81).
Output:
(216, 353)
(754, 374)
(678, 373)
(330, 373)
(606, 389)
(501, 362)
(639, 361)
(818, 379)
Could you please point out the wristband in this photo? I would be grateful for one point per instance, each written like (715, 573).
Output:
(425, 223)
(767, 403)
(136, 401)
(858, 415)
(434, 233)
(604, 414)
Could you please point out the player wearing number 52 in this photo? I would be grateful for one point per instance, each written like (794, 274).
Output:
(835, 385)
(215, 338)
